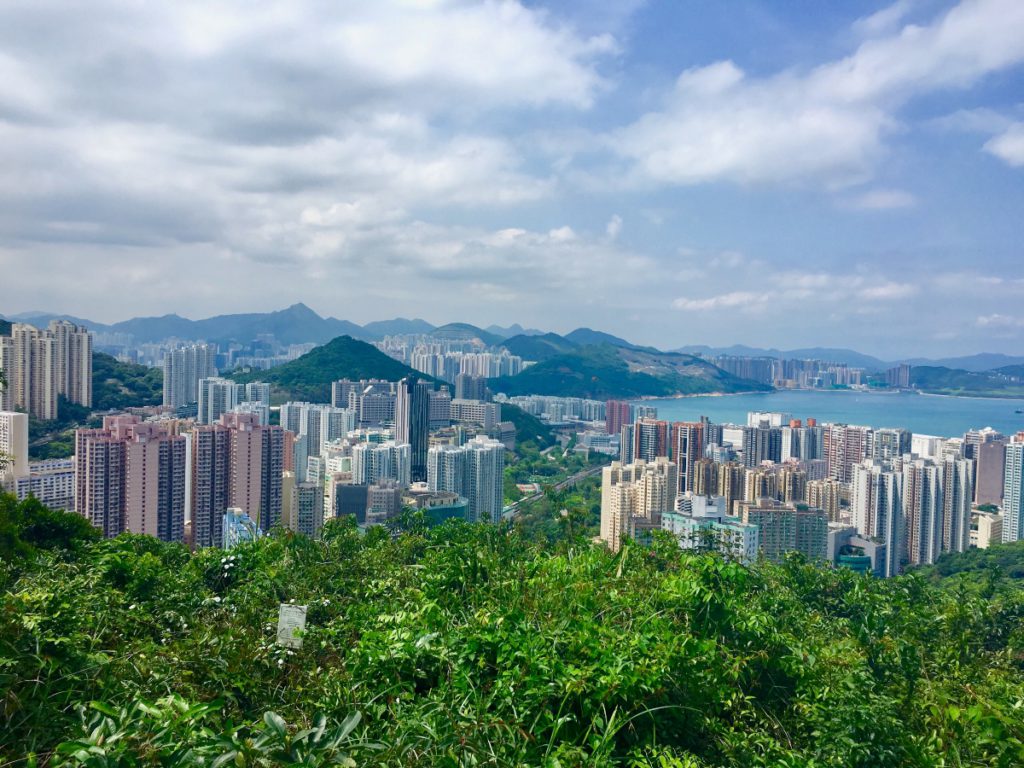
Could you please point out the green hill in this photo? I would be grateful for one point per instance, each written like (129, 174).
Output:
(542, 347)
(310, 376)
(5, 327)
(953, 381)
(589, 337)
(467, 645)
(117, 385)
(601, 372)
(528, 426)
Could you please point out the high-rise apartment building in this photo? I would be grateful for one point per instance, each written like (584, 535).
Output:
(374, 462)
(650, 439)
(1013, 493)
(616, 414)
(783, 528)
(957, 497)
(845, 446)
(13, 447)
(634, 497)
(876, 505)
(154, 494)
(211, 483)
(888, 444)
(217, 396)
(74, 361)
(687, 448)
(412, 423)
(922, 511)
(990, 458)
(485, 479)
(30, 364)
(447, 468)
(183, 368)
(307, 509)
(131, 476)
(826, 494)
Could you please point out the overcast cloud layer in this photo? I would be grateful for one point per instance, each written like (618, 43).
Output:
(690, 174)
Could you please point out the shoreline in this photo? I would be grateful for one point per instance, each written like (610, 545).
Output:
(885, 393)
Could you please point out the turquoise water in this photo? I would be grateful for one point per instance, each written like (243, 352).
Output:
(923, 414)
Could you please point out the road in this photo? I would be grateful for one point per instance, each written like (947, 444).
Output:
(513, 508)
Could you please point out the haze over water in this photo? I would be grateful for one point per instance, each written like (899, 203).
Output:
(922, 414)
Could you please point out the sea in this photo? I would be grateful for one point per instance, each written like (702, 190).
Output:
(922, 414)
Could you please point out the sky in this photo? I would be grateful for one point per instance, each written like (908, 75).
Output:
(782, 174)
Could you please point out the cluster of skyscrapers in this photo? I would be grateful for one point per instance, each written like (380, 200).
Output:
(41, 365)
(884, 499)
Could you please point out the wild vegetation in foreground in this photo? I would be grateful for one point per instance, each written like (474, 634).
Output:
(468, 645)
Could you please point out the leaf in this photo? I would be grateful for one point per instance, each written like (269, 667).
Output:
(349, 724)
(275, 723)
(103, 708)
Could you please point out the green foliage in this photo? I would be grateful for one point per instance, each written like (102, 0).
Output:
(606, 371)
(468, 645)
(117, 385)
(983, 569)
(28, 527)
(528, 427)
(542, 347)
(953, 381)
(310, 376)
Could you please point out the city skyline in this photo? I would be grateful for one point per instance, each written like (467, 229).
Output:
(759, 174)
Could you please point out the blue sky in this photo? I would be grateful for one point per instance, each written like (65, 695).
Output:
(783, 174)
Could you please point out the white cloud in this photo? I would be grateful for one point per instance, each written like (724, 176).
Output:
(999, 321)
(747, 300)
(885, 20)
(882, 200)
(1009, 145)
(614, 226)
(828, 124)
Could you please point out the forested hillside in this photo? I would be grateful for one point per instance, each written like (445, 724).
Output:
(466, 645)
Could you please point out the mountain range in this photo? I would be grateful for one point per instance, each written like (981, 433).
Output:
(299, 324)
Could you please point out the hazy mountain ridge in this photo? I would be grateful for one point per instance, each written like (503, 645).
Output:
(299, 324)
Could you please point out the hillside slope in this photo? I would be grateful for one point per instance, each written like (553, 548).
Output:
(542, 347)
(601, 372)
(310, 376)
(467, 645)
(952, 381)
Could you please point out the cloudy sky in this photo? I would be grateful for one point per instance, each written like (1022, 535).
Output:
(755, 171)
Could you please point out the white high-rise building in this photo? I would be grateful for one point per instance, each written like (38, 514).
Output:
(446, 468)
(957, 495)
(922, 511)
(217, 396)
(183, 368)
(634, 496)
(485, 487)
(373, 462)
(30, 364)
(876, 505)
(1013, 493)
(13, 448)
(74, 361)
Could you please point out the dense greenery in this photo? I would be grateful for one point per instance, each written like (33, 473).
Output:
(528, 427)
(980, 568)
(606, 371)
(467, 645)
(310, 376)
(952, 381)
(5, 327)
(542, 347)
(117, 385)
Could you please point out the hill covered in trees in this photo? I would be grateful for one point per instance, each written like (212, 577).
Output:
(310, 376)
(605, 371)
(467, 645)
